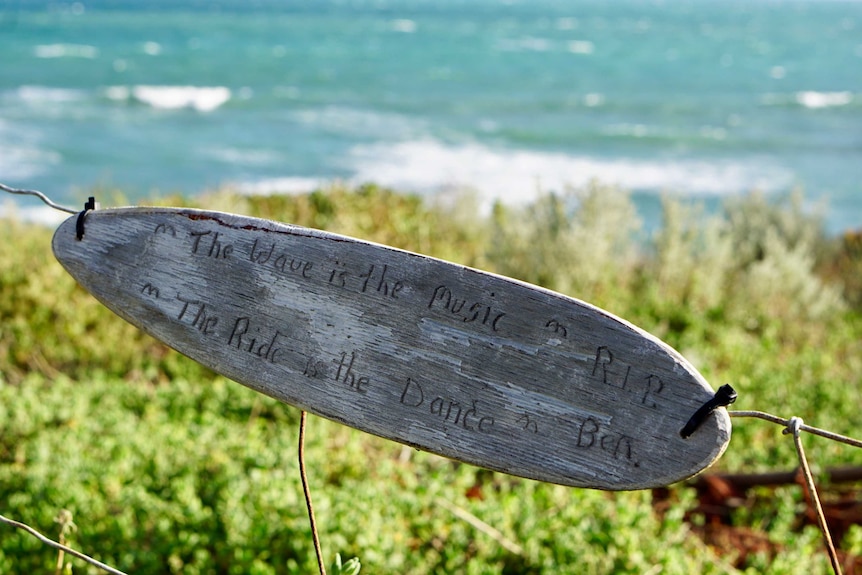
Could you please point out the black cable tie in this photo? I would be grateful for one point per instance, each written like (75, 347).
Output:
(79, 225)
(722, 398)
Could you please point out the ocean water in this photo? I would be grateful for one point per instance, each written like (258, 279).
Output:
(702, 99)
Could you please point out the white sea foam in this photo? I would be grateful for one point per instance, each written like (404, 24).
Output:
(65, 51)
(46, 95)
(118, 93)
(287, 185)
(403, 25)
(203, 99)
(200, 98)
(811, 99)
(629, 130)
(535, 44)
(38, 215)
(525, 44)
(515, 176)
(593, 100)
(244, 157)
(23, 161)
(21, 156)
(659, 131)
(152, 48)
(365, 123)
(567, 23)
(584, 47)
(42, 104)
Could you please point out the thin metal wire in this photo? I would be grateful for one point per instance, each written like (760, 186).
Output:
(307, 492)
(60, 546)
(39, 195)
(795, 426)
(786, 422)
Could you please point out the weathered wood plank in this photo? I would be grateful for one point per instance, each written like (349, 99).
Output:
(466, 364)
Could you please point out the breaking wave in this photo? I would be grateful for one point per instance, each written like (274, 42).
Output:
(200, 98)
(519, 175)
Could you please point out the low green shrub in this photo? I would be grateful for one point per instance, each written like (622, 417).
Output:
(169, 468)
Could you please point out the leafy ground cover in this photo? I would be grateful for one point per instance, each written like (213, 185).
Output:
(169, 468)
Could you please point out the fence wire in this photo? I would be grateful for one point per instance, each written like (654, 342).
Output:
(793, 426)
(39, 195)
(63, 548)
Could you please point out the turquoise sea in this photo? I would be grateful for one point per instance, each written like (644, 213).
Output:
(698, 98)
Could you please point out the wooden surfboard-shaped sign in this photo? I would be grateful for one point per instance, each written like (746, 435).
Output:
(466, 364)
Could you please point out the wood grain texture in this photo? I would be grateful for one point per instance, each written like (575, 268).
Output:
(459, 362)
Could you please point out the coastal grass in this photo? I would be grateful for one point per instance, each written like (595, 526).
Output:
(167, 467)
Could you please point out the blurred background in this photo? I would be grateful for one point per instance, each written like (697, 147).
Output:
(506, 98)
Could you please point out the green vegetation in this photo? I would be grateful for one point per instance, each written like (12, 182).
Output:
(169, 468)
